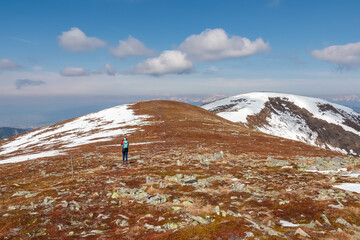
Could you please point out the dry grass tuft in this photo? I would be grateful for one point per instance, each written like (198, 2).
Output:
(342, 236)
(154, 191)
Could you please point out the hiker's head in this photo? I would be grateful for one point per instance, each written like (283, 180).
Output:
(124, 138)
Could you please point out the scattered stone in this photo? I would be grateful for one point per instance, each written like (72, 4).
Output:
(198, 219)
(176, 208)
(14, 207)
(187, 203)
(276, 163)
(122, 223)
(218, 156)
(20, 193)
(249, 235)
(148, 179)
(326, 220)
(170, 226)
(301, 232)
(330, 164)
(343, 222)
(217, 210)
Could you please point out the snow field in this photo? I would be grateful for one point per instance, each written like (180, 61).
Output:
(95, 127)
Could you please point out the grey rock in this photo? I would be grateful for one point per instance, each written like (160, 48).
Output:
(301, 232)
(249, 235)
(218, 156)
(276, 163)
(343, 222)
(330, 164)
(198, 219)
(122, 223)
(20, 193)
(239, 187)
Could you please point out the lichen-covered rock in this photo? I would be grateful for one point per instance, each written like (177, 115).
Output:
(170, 226)
(198, 219)
(326, 220)
(330, 164)
(217, 210)
(276, 163)
(239, 187)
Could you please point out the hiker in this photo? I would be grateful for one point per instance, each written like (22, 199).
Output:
(125, 149)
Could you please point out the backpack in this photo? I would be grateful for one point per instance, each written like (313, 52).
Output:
(125, 144)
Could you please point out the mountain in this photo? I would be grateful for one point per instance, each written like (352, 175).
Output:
(310, 120)
(6, 132)
(108, 126)
(191, 175)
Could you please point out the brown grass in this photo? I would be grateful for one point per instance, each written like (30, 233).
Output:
(341, 236)
(154, 191)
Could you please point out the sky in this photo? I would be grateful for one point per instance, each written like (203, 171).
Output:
(60, 59)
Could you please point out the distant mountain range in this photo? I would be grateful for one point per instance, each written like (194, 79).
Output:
(6, 132)
(310, 120)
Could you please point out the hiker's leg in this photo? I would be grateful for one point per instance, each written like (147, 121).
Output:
(123, 155)
(126, 156)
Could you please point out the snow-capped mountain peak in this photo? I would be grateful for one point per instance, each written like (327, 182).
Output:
(311, 120)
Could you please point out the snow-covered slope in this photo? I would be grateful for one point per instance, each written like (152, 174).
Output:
(58, 138)
(311, 120)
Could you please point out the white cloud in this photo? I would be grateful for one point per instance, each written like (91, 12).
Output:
(8, 64)
(130, 47)
(345, 56)
(215, 44)
(73, 72)
(110, 70)
(75, 40)
(169, 62)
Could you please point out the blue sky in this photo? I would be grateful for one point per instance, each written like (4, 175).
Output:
(65, 54)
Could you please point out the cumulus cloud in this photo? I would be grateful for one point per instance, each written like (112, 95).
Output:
(8, 64)
(345, 56)
(110, 70)
(73, 72)
(20, 83)
(130, 47)
(215, 44)
(75, 40)
(169, 62)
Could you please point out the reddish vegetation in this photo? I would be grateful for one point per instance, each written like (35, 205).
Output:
(189, 134)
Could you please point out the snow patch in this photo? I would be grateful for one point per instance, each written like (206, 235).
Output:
(352, 187)
(285, 223)
(30, 157)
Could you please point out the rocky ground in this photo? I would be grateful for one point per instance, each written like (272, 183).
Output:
(189, 180)
(179, 195)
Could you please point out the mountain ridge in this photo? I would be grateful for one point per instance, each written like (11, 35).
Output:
(311, 120)
(6, 132)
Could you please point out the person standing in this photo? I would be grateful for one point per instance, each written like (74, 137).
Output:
(125, 149)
